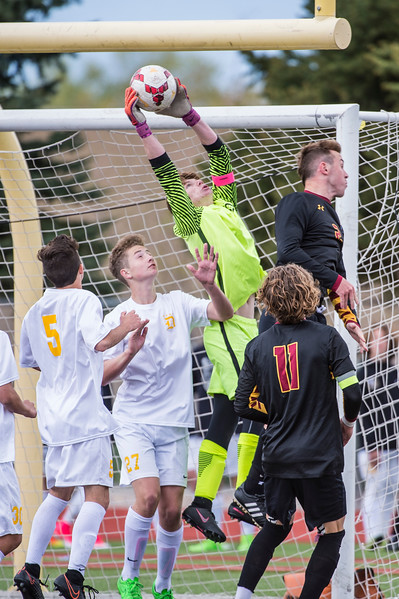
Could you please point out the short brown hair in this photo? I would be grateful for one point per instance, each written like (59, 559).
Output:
(117, 259)
(289, 293)
(60, 260)
(312, 154)
(186, 176)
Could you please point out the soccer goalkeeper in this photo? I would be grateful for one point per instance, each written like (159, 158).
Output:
(205, 214)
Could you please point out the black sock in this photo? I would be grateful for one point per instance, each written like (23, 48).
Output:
(75, 577)
(254, 481)
(202, 502)
(322, 564)
(260, 553)
(33, 569)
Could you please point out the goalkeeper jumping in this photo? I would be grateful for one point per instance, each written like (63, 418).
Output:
(205, 214)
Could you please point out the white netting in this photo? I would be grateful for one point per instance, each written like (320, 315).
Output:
(97, 186)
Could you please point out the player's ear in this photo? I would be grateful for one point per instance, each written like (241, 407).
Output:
(125, 273)
(80, 269)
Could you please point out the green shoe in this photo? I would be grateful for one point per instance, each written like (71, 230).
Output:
(129, 589)
(245, 542)
(208, 546)
(165, 594)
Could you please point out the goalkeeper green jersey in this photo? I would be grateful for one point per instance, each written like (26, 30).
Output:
(239, 272)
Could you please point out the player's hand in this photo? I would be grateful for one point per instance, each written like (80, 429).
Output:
(30, 409)
(130, 321)
(137, 338)
(206, 271)
(134, 114)
(347, 294)
(181, 104)
(347, 432)
(357, 334)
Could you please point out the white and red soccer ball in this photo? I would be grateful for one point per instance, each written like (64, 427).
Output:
(155, 87)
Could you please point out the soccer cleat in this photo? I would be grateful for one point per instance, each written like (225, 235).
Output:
(165, 594)
(28, 584)
(248, 508)
(129, 588)
(70, 590)
(203, 520)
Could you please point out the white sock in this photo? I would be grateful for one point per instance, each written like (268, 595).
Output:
(43, 526)
(243, 593)
(137, 530)
(1, 556)
(84, 534)
(168, 544)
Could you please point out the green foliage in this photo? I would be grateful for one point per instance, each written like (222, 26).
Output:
(27, 80)
(367, 72)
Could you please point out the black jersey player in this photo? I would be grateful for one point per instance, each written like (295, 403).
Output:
(288, 381)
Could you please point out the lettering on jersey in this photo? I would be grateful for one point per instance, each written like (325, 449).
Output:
(55, 343)
(169, 321)
(287, 366)
(320, 207)
(338, 234)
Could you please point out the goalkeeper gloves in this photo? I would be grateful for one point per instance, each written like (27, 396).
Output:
(134, 114)
(181, 106)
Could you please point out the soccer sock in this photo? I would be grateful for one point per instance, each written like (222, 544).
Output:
(242, 593)
(246, 448)
(254, 481)
(43, 526)
(322, 564)
(260, 553)
(1, 556)
(168, 544)
(211, 463)
(137, 530)
(84, 534)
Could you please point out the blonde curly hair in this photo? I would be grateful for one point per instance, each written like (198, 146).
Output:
(289, 293)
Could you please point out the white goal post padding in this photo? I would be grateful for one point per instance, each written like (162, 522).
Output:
(96, 185)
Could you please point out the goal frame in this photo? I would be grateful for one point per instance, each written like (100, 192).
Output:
(345, 118)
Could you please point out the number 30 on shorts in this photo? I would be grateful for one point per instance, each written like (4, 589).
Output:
(132, 462)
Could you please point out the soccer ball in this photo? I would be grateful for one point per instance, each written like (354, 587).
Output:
(155, 87)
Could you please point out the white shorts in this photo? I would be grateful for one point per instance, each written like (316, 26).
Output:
(153, 451)
(10, 504)
(80, 464)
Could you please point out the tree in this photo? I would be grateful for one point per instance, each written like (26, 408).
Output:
(27, 80)
(367, 72)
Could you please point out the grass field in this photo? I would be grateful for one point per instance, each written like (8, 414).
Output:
(211, 574)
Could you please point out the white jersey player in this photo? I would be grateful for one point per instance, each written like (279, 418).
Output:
(10, 404)
(63, 336)
(154, 404)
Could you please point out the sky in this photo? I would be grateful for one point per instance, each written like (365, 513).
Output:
(164, 10)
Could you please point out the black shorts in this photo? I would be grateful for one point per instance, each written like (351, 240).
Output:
(323, 499)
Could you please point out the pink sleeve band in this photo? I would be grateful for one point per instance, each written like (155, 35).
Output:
(337, 283)
(223, 179)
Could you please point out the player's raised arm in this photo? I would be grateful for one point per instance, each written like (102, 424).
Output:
(220, 307)
(114, 366)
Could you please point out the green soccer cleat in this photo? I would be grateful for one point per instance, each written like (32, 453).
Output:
(165, 594)
(129, 589)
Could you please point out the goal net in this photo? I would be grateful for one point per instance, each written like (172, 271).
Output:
(96, 185)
